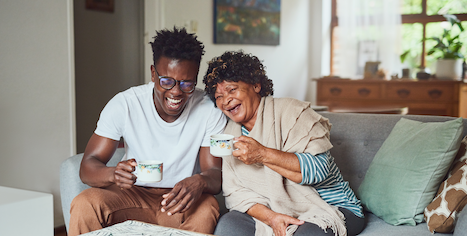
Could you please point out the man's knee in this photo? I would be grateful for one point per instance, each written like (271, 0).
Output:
(211, 201)
(91, 200)
(88, 197)
(203, 216)
(207, 204)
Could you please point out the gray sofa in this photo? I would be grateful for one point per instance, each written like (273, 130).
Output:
(356, 139)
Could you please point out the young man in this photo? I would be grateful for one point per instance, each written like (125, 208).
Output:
(167, 120)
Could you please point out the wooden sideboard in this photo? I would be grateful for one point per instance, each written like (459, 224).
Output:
(431, 97)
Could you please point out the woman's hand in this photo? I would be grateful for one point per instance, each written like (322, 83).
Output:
(280, 222)
(248, 150)
(122, 174)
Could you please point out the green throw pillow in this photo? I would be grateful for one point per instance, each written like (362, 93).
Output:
(407, 170)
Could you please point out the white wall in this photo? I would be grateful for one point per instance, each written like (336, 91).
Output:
(287, 64)
(36, 94)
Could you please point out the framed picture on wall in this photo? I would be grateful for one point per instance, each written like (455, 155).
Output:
(100, 5)
(247, 22)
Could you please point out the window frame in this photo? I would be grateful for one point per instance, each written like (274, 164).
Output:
(422, 18)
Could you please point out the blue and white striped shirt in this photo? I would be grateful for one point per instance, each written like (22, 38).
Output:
(322, 173)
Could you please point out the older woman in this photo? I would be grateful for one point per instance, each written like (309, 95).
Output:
(281, 178)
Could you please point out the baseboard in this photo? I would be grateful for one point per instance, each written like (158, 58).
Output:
(60, 230)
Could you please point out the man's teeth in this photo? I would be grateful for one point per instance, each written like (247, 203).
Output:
(175, 101)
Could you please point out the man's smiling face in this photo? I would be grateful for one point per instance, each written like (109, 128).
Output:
(171, 103)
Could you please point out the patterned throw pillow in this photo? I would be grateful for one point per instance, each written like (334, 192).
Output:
(441, 213)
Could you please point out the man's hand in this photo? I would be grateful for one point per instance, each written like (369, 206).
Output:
(183, 195)
(248, 150)
(122, 175)
(280, 222)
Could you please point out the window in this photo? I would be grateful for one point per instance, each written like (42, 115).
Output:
(420, 19)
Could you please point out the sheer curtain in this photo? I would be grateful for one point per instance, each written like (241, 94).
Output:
(369, 30)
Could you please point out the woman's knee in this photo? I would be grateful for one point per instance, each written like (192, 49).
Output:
(235, 223)
(312, 229)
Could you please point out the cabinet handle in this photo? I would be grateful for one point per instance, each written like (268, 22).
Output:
(364, 92)
(435, 93)
(335, 91)
(403, 93)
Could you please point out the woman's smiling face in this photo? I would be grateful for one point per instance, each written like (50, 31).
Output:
(239, 101)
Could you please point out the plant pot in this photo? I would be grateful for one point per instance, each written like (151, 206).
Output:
(449, 69)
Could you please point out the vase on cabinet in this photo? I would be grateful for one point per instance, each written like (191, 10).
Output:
(449, 69)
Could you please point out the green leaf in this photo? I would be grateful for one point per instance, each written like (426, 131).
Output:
(403, 56)
(446, 45)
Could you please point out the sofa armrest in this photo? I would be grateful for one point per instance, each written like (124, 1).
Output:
(70, 182)
(461, 224)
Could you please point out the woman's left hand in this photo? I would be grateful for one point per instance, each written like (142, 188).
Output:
(280, 222)
(248, 150)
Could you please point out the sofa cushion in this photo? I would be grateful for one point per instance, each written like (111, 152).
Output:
(451, 198)
(461, 224)
(375, 226)
(408, 168)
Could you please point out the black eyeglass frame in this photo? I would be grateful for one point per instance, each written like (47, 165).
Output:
(175, 83)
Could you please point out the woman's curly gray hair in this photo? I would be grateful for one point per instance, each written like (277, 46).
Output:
(236, 66)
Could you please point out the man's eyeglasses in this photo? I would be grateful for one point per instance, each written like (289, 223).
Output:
(187, 86)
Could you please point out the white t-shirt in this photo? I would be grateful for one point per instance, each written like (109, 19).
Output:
(132, 115)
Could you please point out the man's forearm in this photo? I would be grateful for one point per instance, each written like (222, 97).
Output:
(96, 174)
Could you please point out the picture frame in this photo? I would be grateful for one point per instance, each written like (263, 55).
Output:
(371, 69)
(247, 22)
(100, 5)
(367, 51)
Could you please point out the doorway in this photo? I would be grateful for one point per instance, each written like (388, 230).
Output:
(109, 58)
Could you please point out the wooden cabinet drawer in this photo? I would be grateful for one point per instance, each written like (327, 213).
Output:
(430, 97)
(347, 90)
(423, 92)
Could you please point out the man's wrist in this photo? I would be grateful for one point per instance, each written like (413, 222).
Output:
(208, 179)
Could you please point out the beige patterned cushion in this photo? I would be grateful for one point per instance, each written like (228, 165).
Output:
(441, 213)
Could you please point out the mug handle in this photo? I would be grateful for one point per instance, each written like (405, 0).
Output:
(233, 142)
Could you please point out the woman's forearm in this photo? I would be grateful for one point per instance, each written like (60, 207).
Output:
(284, 163)
(261, 212)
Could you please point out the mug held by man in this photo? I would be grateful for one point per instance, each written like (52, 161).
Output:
(149, 171)
(221, 145)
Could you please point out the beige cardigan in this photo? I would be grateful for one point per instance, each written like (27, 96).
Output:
(289, 125)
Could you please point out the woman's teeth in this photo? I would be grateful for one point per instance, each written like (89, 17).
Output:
(234, 109)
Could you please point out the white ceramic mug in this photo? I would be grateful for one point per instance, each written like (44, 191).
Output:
(149, 171)
(221, 145)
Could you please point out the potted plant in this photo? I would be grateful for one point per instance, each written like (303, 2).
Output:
(447, 47)
(449, 64)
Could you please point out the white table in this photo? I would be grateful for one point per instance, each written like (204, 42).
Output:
(24, 212)
(132, 227)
